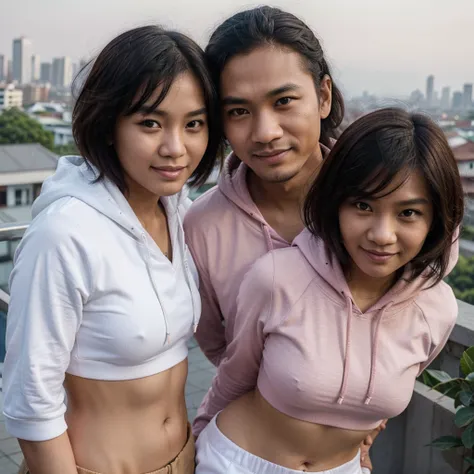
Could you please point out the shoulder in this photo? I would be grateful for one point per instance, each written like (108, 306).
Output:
(438, 306)
(64, 225)
(283, 271)
(207, 209)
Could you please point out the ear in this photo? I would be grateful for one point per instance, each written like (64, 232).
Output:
(325, 97)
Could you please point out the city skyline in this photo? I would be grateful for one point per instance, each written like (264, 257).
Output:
(371, 45)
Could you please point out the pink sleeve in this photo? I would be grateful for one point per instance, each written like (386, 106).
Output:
(238, 372)
(441, 313)
(210, 333)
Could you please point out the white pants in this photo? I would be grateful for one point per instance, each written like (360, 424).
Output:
(217, 454)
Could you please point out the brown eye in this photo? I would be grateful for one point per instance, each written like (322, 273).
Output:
(362, 206)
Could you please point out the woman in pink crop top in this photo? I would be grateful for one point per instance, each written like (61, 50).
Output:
(332, 332)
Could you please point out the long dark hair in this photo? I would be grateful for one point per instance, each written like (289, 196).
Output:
(266, 25)
(368, 156)
(136, 63)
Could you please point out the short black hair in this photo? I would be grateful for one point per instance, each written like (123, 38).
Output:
(138, 61)
(265, 25)
(366, 159)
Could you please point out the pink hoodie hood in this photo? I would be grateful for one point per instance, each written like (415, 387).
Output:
(233, 184)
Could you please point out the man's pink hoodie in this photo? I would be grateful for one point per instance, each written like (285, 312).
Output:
(226, 234)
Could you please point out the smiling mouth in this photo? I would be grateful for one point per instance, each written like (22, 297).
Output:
(169, 173)
(271, 154)
(378, 257)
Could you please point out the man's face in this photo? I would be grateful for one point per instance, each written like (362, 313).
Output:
(272, 112)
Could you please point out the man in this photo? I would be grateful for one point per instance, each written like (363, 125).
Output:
(280, 112)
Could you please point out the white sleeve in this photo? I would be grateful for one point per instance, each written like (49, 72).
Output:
(49, 284)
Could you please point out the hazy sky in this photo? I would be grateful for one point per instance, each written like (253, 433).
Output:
(383, 46)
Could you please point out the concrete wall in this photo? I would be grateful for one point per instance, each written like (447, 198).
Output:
(402, 449)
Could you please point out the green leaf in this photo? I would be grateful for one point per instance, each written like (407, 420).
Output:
(468, 437)
(467, 361)
(466, 398)
(450, 388)
(469, 461)
(464, 416)
(439, 375)
(446, 442)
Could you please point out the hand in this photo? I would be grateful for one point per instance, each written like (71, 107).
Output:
(365, 446)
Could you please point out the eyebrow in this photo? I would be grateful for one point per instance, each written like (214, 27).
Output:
(233, 100)
(161, 113)
(413, 202)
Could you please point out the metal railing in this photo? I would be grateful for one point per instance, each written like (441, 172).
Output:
(12, 231)
(9, 232)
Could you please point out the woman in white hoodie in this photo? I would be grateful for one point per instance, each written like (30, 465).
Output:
(103, 292)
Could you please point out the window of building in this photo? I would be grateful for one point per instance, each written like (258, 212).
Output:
(18, 196)
(3, 196)
(471, 165)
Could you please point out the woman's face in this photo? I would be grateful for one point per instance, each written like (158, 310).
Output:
(382, 235)
(159, 150)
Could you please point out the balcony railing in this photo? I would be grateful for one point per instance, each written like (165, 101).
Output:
(9, 232)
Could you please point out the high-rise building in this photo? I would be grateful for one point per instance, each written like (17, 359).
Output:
(429, 90)
(467, 96)
(446, 98)
(10, 70)
(457, 100)
(61, 72)
(35, 68)
(45, 72)
(3, 68)
(22, 60)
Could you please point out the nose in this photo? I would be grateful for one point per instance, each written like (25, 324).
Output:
(266, 127)
(172, 144)
(382, 232)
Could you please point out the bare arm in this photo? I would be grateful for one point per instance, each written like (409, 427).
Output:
(54, 456)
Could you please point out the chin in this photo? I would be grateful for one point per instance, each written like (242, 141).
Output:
(277, 175)
(168, 188)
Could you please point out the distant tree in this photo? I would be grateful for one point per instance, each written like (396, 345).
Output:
(461, 279)
(69, 149)
(17, 127)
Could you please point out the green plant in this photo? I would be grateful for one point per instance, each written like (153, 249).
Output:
(18, 127)
(461, 389)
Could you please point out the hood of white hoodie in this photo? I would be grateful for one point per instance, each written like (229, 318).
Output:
(74, 177)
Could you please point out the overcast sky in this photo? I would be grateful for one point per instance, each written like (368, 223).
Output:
(384, 46)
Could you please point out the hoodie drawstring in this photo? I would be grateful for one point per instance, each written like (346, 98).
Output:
(373, 364)
(147, 262)
(268, 237)
(347, 356)
(187, 272)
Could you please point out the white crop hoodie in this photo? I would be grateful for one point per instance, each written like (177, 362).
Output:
(91, 295)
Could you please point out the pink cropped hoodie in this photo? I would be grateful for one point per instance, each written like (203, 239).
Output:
(301, 340)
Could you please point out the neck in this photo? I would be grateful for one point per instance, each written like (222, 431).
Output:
(365, 289)
(143, 203)
(287, 194)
